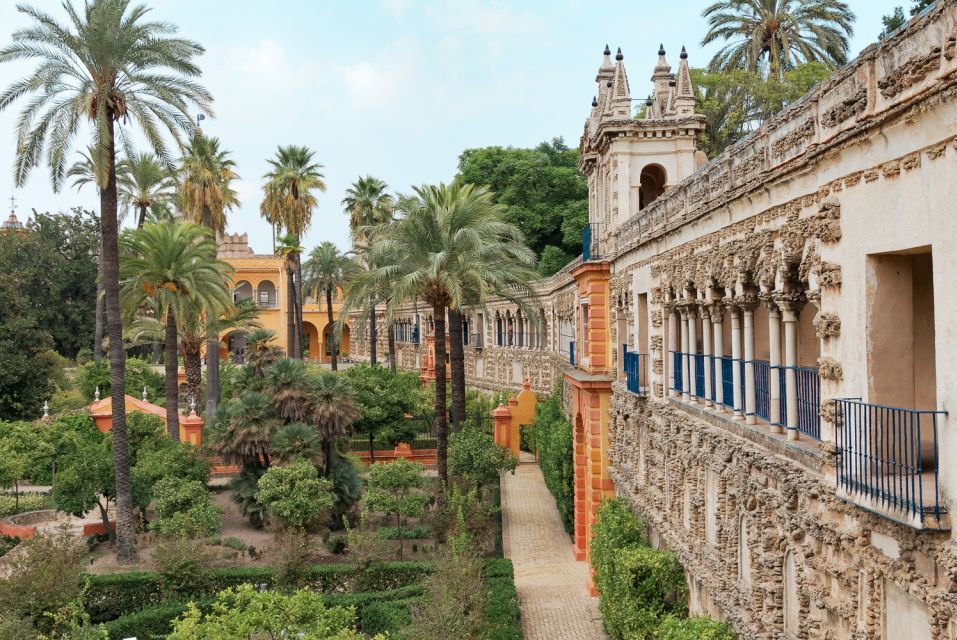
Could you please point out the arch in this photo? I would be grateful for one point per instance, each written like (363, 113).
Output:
(233, 347)
(266, 294)
(310, 344)
(325, 354)
(242, 291)
(653, 181)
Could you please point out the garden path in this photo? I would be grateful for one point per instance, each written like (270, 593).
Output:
(550, 582)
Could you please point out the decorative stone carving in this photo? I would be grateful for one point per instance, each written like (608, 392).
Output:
(830, 369)
(827, 325)
(793, 138)
(909, 73)
(847, 108)
(829, 274)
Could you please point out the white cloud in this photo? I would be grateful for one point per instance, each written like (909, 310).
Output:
(389, 76)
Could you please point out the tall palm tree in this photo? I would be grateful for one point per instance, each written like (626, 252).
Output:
(174, 267)
(367, 203)
(145, 185)
(778, 33)
(287, 385)
(326, 271)
(451, 246)
(288, 249)
(260, 350)
(107, 65)
(333, 409)
(206, 194)
(290, 197)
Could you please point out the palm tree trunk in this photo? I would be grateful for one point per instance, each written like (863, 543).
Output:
(142, 218)
(157, 352)
(212, 364)
(299, 301)
(372, 337)
(457, 360)
(194, 372)
(392, 362)
(441, 401)
(333, 343)
(290, 314)
(125, 523)
(100, 303)
(172, 378)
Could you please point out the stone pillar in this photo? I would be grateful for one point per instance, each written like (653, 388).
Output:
(685, 387)
(749, 392)
(717, 322)
(706, 347)
(789, 315)
(774, 377)
(736, 363)
(501, 421)
(191, 428)
(673, 345)
(692, 351)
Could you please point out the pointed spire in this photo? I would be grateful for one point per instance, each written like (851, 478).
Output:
(684, 92)
(684, 54)
(594, 101)
(670, 103)
(620, 91)
(661, 76)
(605, 73)
(619, 56)
(607, 50)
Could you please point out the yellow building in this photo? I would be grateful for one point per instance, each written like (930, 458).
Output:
(264, 279)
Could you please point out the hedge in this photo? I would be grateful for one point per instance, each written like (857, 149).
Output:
(551, 436)
(694, 629)
(152, 623)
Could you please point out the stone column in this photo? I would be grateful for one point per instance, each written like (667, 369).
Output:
(692, 350)
(789, 314)
(685, 387)
(706, 348)
(774, 377)
(736, 363)
(717, 323)
(672, 345)
(749, 392)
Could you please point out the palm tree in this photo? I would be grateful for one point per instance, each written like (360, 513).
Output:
(778, 33)
(107, 66)
(260, 350)
(145, 185)
(288, 203)
(333, 409)
(288, 249)
(326, 271)
(243, 430)
(368, 204)
(296, 440)
(450, 247)
(287, 385)
(206, 194)
(174, 267)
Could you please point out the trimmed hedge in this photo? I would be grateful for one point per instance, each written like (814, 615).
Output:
(551, 436)
(694, 629)
(152, 623)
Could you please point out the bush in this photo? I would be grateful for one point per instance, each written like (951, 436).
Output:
(185, 508)
(138, 373)
(475, 458)
(694, 629)
(28, 502)
(551, 436)
(152, 623)
(182, 566)
(408, 533)
(67, 400)
(295, 494)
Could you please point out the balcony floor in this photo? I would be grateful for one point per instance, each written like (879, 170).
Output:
(901, 514)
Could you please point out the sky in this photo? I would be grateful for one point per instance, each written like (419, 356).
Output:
(392, 88)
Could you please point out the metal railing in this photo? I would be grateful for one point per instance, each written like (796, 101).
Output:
(676, 369)
(762, 389)
(727, 382)
(636, 372)
(698, 386)
(889, 455)
(808, 386)
(571, 352)
(590, 247)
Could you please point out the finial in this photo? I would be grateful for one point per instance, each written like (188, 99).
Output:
(607, 50)
(619, 56)
(608, 84)
(96, 394)
(145, 395)
(649, 101)
(46, 409)
(594, 101)
(684, 54)
(672, 83)
(192, 404)
(661, 49)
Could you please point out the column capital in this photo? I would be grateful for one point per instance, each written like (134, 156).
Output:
(747, 302)
(791, 301)
(716, 310)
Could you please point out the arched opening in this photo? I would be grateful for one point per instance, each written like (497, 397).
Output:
(310, 342)
(266, 294)
(242, 291)
(653, 182)
(234, 347)
(325, 354)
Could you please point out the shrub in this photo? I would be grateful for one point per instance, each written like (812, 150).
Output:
(182, 566)
(28, 502)
(405, 533)
(294, 555)
(454, 601)
(694, 629)
(138, 373)
(551, 436)
(185, 508)
(148, 624)
(295, 494)
(478, 515)
(475, 458)
(392, 488)
(67, 400)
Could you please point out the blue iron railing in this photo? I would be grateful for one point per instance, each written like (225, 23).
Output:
(636, 372)
(698, 374)
(808, 400)
(727, 381)
(676, 384)
(590, 250)
(571, 352)
(890, 455)
(762, 389)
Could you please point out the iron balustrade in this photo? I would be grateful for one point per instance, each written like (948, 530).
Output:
(727, 381)
(889, 455)
(590, 249)
(571, 352)
(698, 375)
(676, 383)
(808, 386)
(762, 389)
(636, 372)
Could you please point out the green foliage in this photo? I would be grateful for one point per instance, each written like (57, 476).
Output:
(295, 494)
(244, 487)
(67, 400)
(467, 503)
(182, 566)
(171, 459)
(702, 628)
(28, 502)
(551, 436)
(408, 533)
(475, 458)
(184, 508)
(346, 484)
(26, 378)
(892, 22)
(23, 447)
(84, 477)
(243, 611)
(138, 373)
(384, 400)
(152, 622)
(542, 190)
(393, 488)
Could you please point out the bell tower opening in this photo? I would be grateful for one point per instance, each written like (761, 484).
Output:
(653, 181)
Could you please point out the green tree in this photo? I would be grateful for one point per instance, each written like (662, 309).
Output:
(106, 66)
(333, 410)
(242, 612)
(385, 401)
(325, 273)
(475, 458)
(777, 35)
(185, 508)
(261, 350)
(290, 197)
(206, 194)
(178, 460)
(85, 478)
(25, 377)
(395, 488)
(294, 441)
(296, 494)
(173, 268)
(897, 19)
(242, 429)
(287, 384)
(146, 186)
(23, 447)
(138, 374)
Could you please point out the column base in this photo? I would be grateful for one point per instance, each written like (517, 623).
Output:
(792, 433)
(751, 419)
(776, 428)
(686, 397)
(737, 416)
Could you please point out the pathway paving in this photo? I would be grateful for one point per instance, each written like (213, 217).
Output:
(550, 582)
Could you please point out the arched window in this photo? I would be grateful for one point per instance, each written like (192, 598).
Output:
(266, 294)
(242, 291)
(653, 182)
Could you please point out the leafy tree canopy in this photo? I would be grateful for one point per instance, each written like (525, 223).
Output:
(385, 399)
(296, 494)
(26, 376)
(474, 457)
(897, 19)
(139, 373)
(545, 195)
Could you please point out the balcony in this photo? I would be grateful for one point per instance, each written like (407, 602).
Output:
(887, 461)
(636, 372)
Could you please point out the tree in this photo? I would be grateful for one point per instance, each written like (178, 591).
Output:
(288, 249)
(243, 612)
(294, 441)
(85, 478)
(107, 66)
(146, 186)
(287, 384)
(25, 377)
(451, 247)
(325, 272)
(393, 488)
(475, 458)
(385, 401)
(544, 195)
(206, 194)
(242, 430)
(23, 446)
(333, 409)
(185, 508)
(295, 494)
(896, 20)
(173, 267)
(138, 374)
(777, 35)
(289, 200)
(260, 350)
(178, 460)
